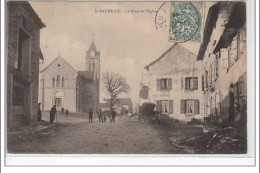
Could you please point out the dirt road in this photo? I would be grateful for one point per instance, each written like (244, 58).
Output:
(78, 136)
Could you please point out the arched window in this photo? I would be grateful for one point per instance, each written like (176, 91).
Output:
(53, 82)
(63, 82)
(93, 67)
(58, 81)
(89, 66)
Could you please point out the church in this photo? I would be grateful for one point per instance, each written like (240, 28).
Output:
(63, 86)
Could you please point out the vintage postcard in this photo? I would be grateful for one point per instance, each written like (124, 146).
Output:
(126, 78)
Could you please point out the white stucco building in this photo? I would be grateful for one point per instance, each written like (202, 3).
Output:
(175, 84)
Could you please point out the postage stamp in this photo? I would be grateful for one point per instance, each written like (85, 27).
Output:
(185, 21)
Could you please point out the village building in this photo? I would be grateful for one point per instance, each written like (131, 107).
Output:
(175, 84)
(223, 54)
(65, 87)
(23, 57)
(121, 104)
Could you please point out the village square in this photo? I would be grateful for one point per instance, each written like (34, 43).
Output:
(75, 90)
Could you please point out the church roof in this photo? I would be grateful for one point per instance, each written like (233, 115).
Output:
(92, 46)
(59, 58)
(87, 75)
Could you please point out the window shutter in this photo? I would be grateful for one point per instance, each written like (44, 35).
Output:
(169, 87)
(202, 79)
(158, 85)
(195, 83)
(182, 87)
(216, 68)
(196, 106)
(186, 83)
(171, 106)
(206, 79)
(158, 105)
(183, 106)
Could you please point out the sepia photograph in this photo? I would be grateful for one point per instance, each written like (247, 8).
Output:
(127, 77)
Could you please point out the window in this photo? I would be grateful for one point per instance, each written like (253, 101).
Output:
(164, 106)
(58, 81)
(93, 66)
(63, 82)
(206, 79)
(23, 61)
(164, 84)
(89, 66)
(229, 58)
(191, 83)
(210, 75)
(216, 66)
(190, 106)
(53, 82)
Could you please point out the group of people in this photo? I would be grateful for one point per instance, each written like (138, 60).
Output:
(66, 112)
(102, 116)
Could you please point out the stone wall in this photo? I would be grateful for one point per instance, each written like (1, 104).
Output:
(20, 16)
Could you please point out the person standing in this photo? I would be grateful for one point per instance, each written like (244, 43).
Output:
(67, 113)
(39, 112)
(53, 113)
(100, 119)
(62, 111)
(104, 116)
(113, 115)
(90, 115)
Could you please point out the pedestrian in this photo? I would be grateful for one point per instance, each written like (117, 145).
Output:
(62, 111)
(113, 115)
(100, 119)
(39, 112)
(104, 116)
(53, 113)
(90, 115)
(67, 113)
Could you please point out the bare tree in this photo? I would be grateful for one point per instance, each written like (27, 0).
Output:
(115, 84)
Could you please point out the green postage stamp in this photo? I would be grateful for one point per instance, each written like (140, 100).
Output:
(186, 21)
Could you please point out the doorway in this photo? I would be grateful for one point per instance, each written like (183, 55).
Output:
(58, 103)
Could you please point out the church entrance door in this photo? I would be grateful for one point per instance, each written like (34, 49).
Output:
(58, 103)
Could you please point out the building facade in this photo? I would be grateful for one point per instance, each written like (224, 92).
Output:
(61, 85)
(174, 84)
(223, 54)
(65, 87)
(23, 57)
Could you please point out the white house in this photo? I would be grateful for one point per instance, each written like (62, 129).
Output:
(175, 84)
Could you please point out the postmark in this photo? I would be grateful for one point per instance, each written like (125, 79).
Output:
(161, 18)
(185, 21)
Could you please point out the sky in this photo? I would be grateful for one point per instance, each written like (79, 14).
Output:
(127, 41)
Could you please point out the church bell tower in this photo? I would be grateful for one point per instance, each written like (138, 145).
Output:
(93, 60)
